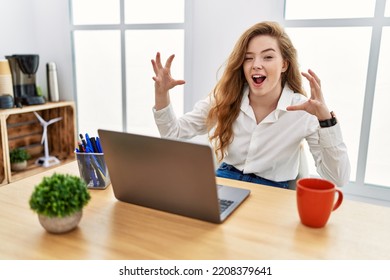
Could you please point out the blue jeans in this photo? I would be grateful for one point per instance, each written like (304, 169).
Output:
(229, 171)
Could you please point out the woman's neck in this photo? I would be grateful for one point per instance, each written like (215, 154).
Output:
(262, 106)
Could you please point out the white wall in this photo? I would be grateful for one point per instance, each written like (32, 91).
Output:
(17, 27)
(39, 27)
(42, 27)
(216, 26)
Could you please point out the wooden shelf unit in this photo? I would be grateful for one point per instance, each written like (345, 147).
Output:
(20, 128)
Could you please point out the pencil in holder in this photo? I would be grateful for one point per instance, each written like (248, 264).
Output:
(93, 170)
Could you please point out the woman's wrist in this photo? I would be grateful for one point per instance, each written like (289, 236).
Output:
(323, 114)
(162, 100)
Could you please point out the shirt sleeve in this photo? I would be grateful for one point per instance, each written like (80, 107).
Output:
(187, 126)
(330, 154)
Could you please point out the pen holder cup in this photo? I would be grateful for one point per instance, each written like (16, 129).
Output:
(93, 170)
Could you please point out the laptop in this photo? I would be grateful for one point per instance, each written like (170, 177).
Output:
(167, 175)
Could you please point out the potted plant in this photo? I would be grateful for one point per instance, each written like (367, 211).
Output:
(18, 158)
(59, 200)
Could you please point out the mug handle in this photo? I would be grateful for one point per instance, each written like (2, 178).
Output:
(339, 200)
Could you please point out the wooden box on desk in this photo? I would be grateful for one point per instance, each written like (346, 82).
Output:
(20, 128)
(3, 168)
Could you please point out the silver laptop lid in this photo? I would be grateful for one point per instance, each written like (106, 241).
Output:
(168, 175)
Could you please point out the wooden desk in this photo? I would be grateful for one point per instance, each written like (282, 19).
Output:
(266, 226)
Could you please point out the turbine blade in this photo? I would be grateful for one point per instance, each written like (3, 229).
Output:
(54, 120)
(41, 120)
(44, 134)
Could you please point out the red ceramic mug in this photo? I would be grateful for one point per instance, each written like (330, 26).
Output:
(316, 201)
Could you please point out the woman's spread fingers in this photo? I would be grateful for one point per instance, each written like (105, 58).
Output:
(155, 69)
(158, 60)
(169, 61)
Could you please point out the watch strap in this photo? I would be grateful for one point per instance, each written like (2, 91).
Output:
(329, 122)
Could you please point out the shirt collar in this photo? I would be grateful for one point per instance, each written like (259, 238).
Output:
(245, 99)
(285, 99)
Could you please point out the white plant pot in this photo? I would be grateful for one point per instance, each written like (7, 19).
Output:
(19, 166)
(60, 225)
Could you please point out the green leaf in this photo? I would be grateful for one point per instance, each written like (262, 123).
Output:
(59, 195)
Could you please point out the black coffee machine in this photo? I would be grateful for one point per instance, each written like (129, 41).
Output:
(23, 70)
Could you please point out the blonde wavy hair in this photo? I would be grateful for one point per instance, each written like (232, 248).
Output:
(228, 91)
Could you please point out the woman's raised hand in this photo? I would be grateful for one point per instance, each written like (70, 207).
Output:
(316, 104)
(163, 79)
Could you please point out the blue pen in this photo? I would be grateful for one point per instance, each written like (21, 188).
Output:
(96, 160)
(95, 182)
(91, 171)
(88, 149)
(89, 143)
(86, 174)
(99, 173)
(98, 145)
(100, 150)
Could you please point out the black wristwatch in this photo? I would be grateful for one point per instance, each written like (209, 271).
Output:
(329, 122)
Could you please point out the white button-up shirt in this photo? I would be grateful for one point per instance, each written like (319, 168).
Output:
(270, 149)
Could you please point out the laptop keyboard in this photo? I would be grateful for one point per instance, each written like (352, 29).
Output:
(224, 204)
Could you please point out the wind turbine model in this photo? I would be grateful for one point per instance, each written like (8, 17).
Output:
(47, 160)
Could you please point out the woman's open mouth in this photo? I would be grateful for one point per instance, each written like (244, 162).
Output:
(258, 79)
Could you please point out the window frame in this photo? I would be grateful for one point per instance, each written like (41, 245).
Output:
(359, 188)
(123, 27)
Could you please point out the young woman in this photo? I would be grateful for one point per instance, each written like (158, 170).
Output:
(258, 113)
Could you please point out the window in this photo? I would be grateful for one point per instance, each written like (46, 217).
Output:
(140, 87)
(329, 9)
(330, 60)
(167, 11)
(103, 12)
(379, 145)
(113, 43)
(349, 49)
